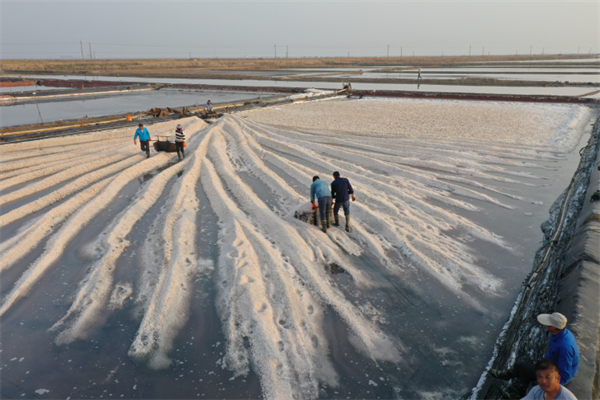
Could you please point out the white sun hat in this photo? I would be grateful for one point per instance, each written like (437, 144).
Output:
(556, 320)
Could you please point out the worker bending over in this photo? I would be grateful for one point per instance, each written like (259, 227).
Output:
(320, 190)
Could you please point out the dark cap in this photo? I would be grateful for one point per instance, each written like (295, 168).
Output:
(141, 125)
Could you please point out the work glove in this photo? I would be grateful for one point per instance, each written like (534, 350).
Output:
(314, 207)
(353, 198)
(134, 141)
(184, 144)
(150, 139)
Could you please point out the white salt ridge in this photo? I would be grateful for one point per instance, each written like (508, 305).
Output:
(21, 244)
(261, 299)
(95, 290)
(458, 265)
(93, 295)
(41, 155)
(63, 176)
(28, 167)
(167, 309)
(58, 242)
(433, 160)
(290, 243)
(67, 190)
(51, 170)
(418, 176)
(272, 284)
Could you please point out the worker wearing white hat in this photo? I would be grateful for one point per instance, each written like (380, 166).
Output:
(563, 352)
(563, 348)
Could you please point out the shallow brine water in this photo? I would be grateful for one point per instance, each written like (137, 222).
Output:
(153, 278)
(76, 107)
(520, 90)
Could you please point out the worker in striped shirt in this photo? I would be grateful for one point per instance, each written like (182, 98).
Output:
(179, 142)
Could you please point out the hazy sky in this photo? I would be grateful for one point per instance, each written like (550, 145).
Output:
(146, 29)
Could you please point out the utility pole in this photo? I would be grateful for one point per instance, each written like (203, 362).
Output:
(388, 51)
(469, 50)
(543, 48)
(400, 51)
(348, 54)
(190, 55)
(530, 49)
(286, 52)
(90, 50)
(38, 107)
(81, 44)
(482, 50)
(95, 56)
(578, 51)
(275, 47)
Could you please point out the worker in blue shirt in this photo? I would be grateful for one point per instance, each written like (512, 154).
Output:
(562, 350)
(320, 190)
(145, 138)
(341, 189)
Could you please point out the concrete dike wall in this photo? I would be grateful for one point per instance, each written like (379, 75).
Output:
(565, 278)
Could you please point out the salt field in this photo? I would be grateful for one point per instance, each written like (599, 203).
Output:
(135, 277)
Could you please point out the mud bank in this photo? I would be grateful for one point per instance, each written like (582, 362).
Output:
(565, 278)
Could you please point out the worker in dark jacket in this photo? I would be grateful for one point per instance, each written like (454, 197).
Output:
(145, 138)
(341, 189)
(563, 351)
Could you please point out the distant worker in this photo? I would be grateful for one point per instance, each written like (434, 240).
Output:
(320, 190)
(179, 142)
(340, 191)
(562, 350)
(145, 138)
(419, 74)
(548, 386)
(208, 107)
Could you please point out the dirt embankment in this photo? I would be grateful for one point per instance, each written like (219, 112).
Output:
(202, 67)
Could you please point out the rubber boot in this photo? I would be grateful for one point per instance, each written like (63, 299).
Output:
(336, 220)
(503, 375)
(179, 155)
(324, 225)
(347, 223)
(328, 221)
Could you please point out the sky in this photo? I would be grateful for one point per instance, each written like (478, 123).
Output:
(223, 29)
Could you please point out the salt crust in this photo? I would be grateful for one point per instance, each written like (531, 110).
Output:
(270, 274)
(517, 123)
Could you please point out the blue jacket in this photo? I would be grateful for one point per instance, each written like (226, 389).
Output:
(319, 189)
(564, 352)
(143, 135)
(340, 189)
